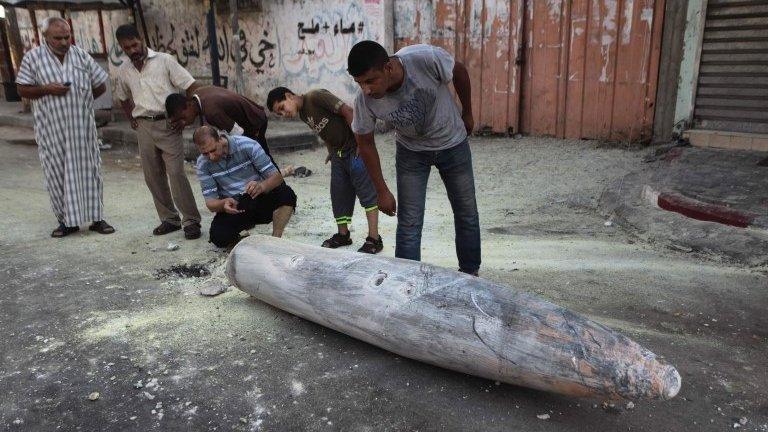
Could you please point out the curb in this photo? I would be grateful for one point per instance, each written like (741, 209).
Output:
(280, 141)
(703, 211)
(25, 120)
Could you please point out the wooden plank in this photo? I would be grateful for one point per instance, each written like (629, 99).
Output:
(473, 52)
(516, 47)
(600, 71)
(544, 67)
(526, 100)
(632, 53)
(497, 60)
(449, 319)
(490, 44)
(577, 51)
(444, 33)
(652, 71)
(563, 68)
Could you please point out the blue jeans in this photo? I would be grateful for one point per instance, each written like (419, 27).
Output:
(455, 167)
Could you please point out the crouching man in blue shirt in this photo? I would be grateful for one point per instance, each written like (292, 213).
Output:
(241, 185)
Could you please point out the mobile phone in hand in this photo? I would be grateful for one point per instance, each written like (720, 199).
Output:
(67, 84)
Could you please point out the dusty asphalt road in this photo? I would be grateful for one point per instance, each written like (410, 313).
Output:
(88, 314)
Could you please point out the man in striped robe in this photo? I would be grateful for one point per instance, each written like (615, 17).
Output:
(62, 80)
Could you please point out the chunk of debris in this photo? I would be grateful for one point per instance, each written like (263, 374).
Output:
(543, 416)
(93, 396)
(213, 288)
(172, 247)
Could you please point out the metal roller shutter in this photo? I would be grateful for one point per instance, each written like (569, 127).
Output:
(732, 90)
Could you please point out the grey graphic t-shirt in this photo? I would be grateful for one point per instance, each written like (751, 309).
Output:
(422, 111)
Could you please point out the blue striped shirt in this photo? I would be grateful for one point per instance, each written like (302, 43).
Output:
(245, 161)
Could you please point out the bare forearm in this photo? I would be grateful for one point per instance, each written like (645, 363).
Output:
(98, 91)
(273, 181)
(463, 87)
(127, 106)
(367, 150)
(32, 91)
(348, 114)
(215, 205)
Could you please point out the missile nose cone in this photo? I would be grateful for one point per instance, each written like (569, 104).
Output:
(671, 383)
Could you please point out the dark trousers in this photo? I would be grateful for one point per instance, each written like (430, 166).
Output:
(455, 167)
(225, 227)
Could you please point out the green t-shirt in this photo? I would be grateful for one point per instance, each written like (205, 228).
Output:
(321, 111)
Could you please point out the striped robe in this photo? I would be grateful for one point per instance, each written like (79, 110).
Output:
(65, 132)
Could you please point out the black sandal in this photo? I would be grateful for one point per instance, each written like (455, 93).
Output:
(372, 245)
(63, 231)
(338, 240)
(102, 227)
(302, 172)
(165, 228)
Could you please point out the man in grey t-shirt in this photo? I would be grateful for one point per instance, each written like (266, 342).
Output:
(409, 92)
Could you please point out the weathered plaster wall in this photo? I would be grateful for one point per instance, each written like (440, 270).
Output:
(686, 85)
(26, 29)
(300, 44)
(675, 18)
(564, 68)
(294, 43)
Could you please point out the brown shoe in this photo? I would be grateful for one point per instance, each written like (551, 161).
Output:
(102, 227)
(192, 231)
(165, 228)
(63, 231)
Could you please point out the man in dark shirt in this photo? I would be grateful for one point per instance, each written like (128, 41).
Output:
(226, 111)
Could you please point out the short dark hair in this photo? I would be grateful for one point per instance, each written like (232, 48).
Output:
(277, 94)
(127, 31)
(364, 56)
(175, 103)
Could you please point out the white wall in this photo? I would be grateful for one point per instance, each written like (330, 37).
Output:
(274, 49)
(686, 84)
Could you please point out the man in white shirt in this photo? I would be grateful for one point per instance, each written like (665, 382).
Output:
(143, 84)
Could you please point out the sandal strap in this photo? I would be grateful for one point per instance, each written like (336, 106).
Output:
(337, 240)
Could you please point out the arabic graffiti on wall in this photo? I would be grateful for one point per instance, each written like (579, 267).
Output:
(85, 29)
(299, 44)
(26, 29)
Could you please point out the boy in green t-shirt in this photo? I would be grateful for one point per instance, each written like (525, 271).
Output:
(331, 118)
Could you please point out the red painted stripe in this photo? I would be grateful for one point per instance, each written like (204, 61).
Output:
(704, 211)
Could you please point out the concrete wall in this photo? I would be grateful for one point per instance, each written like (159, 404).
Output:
(294, 43)
(675, 18)
(686, 85)
(300, 44)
